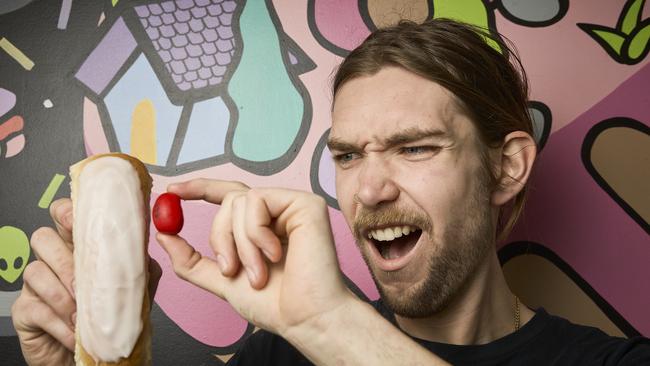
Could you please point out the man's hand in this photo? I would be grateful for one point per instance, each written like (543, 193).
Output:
(44, 313)
(275, 258)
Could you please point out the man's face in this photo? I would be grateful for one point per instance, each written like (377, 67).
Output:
(412, 187)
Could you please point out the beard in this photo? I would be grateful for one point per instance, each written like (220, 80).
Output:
(464, 246)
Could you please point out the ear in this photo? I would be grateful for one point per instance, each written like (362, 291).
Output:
(516, 162)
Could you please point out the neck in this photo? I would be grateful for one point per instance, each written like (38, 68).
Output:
(483, 311)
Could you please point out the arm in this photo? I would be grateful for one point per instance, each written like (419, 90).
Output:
(355, 334)
(294, 289)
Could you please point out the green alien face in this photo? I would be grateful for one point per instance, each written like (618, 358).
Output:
(14, 253)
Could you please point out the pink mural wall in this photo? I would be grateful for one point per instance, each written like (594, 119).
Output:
(240, 90)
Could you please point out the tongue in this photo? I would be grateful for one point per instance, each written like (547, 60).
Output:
(402, 246)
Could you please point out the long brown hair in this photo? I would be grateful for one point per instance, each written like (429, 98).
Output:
(487, 79)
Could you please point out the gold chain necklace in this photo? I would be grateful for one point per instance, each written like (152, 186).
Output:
(517, 320)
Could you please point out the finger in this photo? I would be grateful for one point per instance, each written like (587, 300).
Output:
(190, 265)
(210, 190)
(61, 213)
(222, 240)
(40, 278)
(32, 317)
(155, 272)
(249, 255)
(51, 249)
(257, 227)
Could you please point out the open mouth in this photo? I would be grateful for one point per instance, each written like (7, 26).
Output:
(394, 241)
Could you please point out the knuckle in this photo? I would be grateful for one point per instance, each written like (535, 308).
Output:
(240, 185)
(32, 271)
(40, 235)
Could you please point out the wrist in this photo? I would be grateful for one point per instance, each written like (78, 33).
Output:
(324, 322)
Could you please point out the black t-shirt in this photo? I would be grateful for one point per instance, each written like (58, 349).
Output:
(544, 340)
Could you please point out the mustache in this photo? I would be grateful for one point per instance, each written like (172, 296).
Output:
(389, 215)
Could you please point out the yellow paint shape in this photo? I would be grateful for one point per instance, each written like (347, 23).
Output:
(539, 283)
(16, 54)
(388, 12)
(143, 132)
(621, 155)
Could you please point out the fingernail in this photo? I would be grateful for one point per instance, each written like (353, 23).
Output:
(221, 262)
(251, 275)
(267, 254)
(74, 318)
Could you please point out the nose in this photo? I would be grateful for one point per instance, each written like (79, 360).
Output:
(376, 184)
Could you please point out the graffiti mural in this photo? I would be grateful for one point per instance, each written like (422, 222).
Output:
(239, 90)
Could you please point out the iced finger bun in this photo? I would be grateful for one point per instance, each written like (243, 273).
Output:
(110, 198)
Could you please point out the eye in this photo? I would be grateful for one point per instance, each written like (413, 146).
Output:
(419, 150)
(345, 158)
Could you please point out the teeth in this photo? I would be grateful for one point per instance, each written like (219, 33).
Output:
(391, 233)
(406, 230)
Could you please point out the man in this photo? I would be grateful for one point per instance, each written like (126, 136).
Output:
(432, 144)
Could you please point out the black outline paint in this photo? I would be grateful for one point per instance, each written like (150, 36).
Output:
(177, 96)
(564, 8)
(370, 23)
(320, 38)
(548, 120)
(588, 144)
(623, 57)
(269, 167)
(189, 98)
(518, 248)
(314, 176)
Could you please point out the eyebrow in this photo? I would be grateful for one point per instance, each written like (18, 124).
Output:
(401, 138)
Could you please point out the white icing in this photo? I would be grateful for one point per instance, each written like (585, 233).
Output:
(109, 256)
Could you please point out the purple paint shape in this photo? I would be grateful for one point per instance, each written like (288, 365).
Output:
(226, 18)
(211, 22)
(168, 19)
(64, 14)
(185, 4)
(192, 63)
(194, 50)
(107, 58)
(225, 32)
(568, 212)
(224, 45)
(210, 35)
(215, 9)
(7, 101)
(179, 54)
(182, 15)
(198, 84)
(142, 11)
(209, 48)
(292, 58)
(196, 25)
(198, 12)
(166, 30)
(208, 60)
(205, 73)
(168, 6)
(229, 6)
(326, 173)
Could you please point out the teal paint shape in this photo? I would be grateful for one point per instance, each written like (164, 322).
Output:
(269, 106)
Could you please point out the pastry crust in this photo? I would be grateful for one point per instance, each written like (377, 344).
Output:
(141, 354)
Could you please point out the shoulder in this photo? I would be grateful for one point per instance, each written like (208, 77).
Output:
(581, 344)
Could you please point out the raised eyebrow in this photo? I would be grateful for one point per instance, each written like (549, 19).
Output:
(413, 134)
(334, 143)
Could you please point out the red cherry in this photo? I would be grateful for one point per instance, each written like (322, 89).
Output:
(167, 214)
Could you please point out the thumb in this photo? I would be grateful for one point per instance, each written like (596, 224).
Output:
(191, 266)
